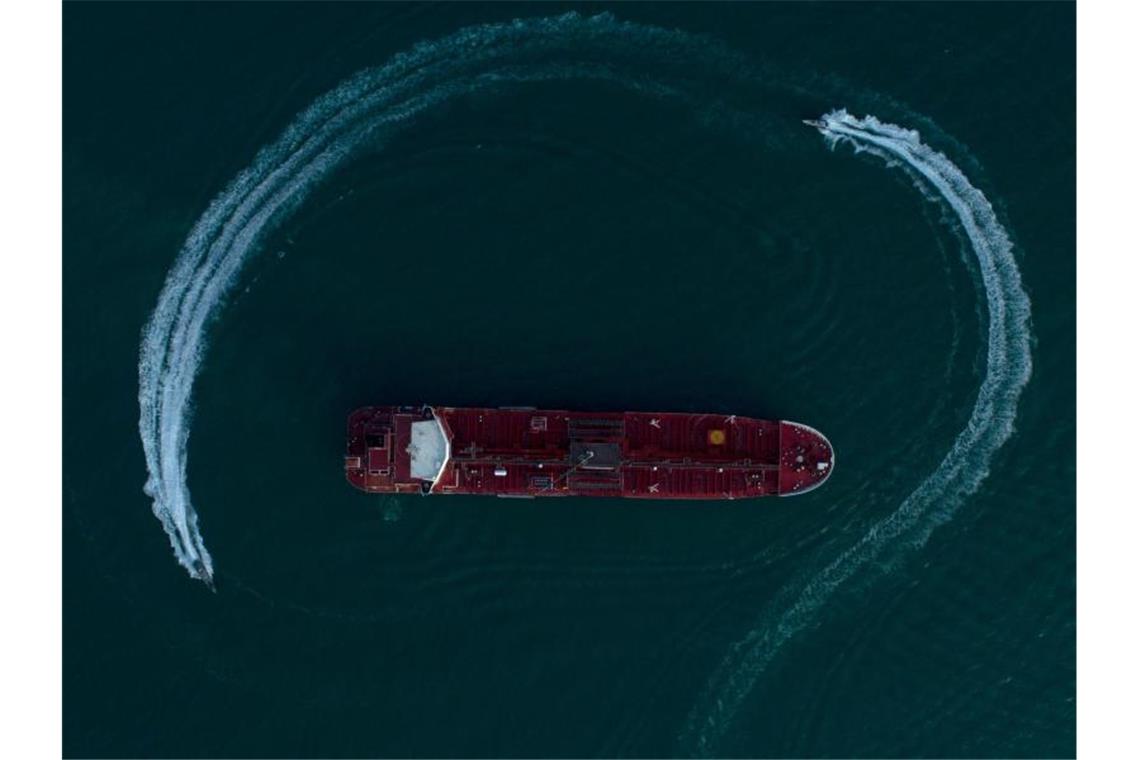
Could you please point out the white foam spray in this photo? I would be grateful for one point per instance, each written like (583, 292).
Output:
(369, 107)
(962, 470)
(360, 113)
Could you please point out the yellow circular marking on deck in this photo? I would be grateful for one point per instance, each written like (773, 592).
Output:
(716, 437)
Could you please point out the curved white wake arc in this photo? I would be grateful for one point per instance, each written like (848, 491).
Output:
(361, 112)
(965, 466)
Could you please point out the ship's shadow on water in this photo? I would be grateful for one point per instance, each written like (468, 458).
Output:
(579, 212)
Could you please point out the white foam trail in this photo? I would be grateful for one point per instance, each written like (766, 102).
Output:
(965, 466)
(369, 107)
(361, 113)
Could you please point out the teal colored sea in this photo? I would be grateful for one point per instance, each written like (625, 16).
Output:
(858, 216)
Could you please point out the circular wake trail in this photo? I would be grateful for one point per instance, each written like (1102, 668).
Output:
(965, 466)
(369, 108)
(360, 114)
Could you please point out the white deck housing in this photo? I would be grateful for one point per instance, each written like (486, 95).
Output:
(429, 449)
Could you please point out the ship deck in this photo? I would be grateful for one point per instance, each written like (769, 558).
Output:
(529, 452)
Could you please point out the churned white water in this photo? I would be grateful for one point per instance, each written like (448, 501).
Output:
(359, 114)
(364, 111)
(965, 465)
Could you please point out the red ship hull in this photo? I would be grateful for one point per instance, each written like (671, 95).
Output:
(524, 452)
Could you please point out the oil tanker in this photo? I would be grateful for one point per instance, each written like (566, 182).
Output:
(523, 452)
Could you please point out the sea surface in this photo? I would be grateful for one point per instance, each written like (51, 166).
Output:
(275, 213)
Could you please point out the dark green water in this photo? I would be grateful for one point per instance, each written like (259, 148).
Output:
(660, 233)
